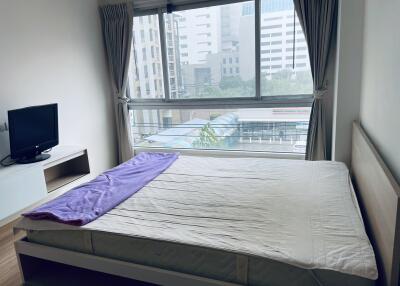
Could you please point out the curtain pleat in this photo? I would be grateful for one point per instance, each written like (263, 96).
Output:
(117, 22)
(318, 19)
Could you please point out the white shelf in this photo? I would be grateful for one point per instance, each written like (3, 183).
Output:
(62, 181)
(25, 186)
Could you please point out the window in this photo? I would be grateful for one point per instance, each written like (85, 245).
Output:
(284, 79)
(281, 130)
(271, 26)
(144, 55)
(201, 76)
(208, 78)
(142, 36)
(145, 66)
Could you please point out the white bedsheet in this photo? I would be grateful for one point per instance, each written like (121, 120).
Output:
(297, 212)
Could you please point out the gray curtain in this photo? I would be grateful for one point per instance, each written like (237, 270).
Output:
(318, 19)
(117, 21)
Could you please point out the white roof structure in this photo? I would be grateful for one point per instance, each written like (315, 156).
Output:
(294, 114)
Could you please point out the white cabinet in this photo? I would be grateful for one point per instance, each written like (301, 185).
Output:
(25, 186)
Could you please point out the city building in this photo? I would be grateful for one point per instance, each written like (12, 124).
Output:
(146, 74)
(282, 37)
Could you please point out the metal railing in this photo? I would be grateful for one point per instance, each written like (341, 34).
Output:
(285, 137)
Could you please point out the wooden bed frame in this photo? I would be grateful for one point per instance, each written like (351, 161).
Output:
(377, 191)
(378, 195)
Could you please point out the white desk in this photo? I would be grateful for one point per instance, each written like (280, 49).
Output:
(25, 186)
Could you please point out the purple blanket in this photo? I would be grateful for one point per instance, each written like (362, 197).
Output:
(91, 200)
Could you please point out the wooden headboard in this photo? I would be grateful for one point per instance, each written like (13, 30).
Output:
(378, 194)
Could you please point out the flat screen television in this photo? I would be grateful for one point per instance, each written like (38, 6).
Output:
(33, 130)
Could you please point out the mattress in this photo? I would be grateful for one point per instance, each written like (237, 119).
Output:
(244, 220)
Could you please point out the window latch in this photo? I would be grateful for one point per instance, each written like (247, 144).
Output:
(170, 8)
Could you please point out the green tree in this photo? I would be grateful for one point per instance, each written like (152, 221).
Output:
(285, 82)
(230, 82)
(207, 138)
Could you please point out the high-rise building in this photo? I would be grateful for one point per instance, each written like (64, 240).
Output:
(146, 75)
(199, 34)
(281, 37)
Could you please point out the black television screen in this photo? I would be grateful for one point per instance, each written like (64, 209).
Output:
(32, 130)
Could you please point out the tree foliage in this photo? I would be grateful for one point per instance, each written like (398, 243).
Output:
(207, 138)
(284, 82)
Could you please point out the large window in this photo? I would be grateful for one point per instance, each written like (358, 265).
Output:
(232, 77)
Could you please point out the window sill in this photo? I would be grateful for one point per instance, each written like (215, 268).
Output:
(224, 153)
(304, 100)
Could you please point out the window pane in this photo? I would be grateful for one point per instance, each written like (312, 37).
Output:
(211, 52)
(278, 75)
(145, 72)
(264, 129)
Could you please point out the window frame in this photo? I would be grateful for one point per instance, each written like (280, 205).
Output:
(257, 101)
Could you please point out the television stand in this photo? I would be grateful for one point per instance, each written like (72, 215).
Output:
(34, 159)
(24, 186)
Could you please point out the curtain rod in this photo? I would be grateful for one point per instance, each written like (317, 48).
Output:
(151, 5)
(113, 2)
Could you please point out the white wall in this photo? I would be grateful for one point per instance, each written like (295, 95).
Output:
(52, 51)
(380, 97)
(348, 77)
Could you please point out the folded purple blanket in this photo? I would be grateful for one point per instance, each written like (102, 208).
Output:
(91, 200)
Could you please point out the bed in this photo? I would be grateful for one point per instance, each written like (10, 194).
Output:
(227, 221)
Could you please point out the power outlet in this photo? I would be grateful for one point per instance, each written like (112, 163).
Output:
(3, 127)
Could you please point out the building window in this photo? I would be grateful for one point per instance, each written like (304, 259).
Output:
(215, 95)
(144, 55)
(142, 37)
(271, 26)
